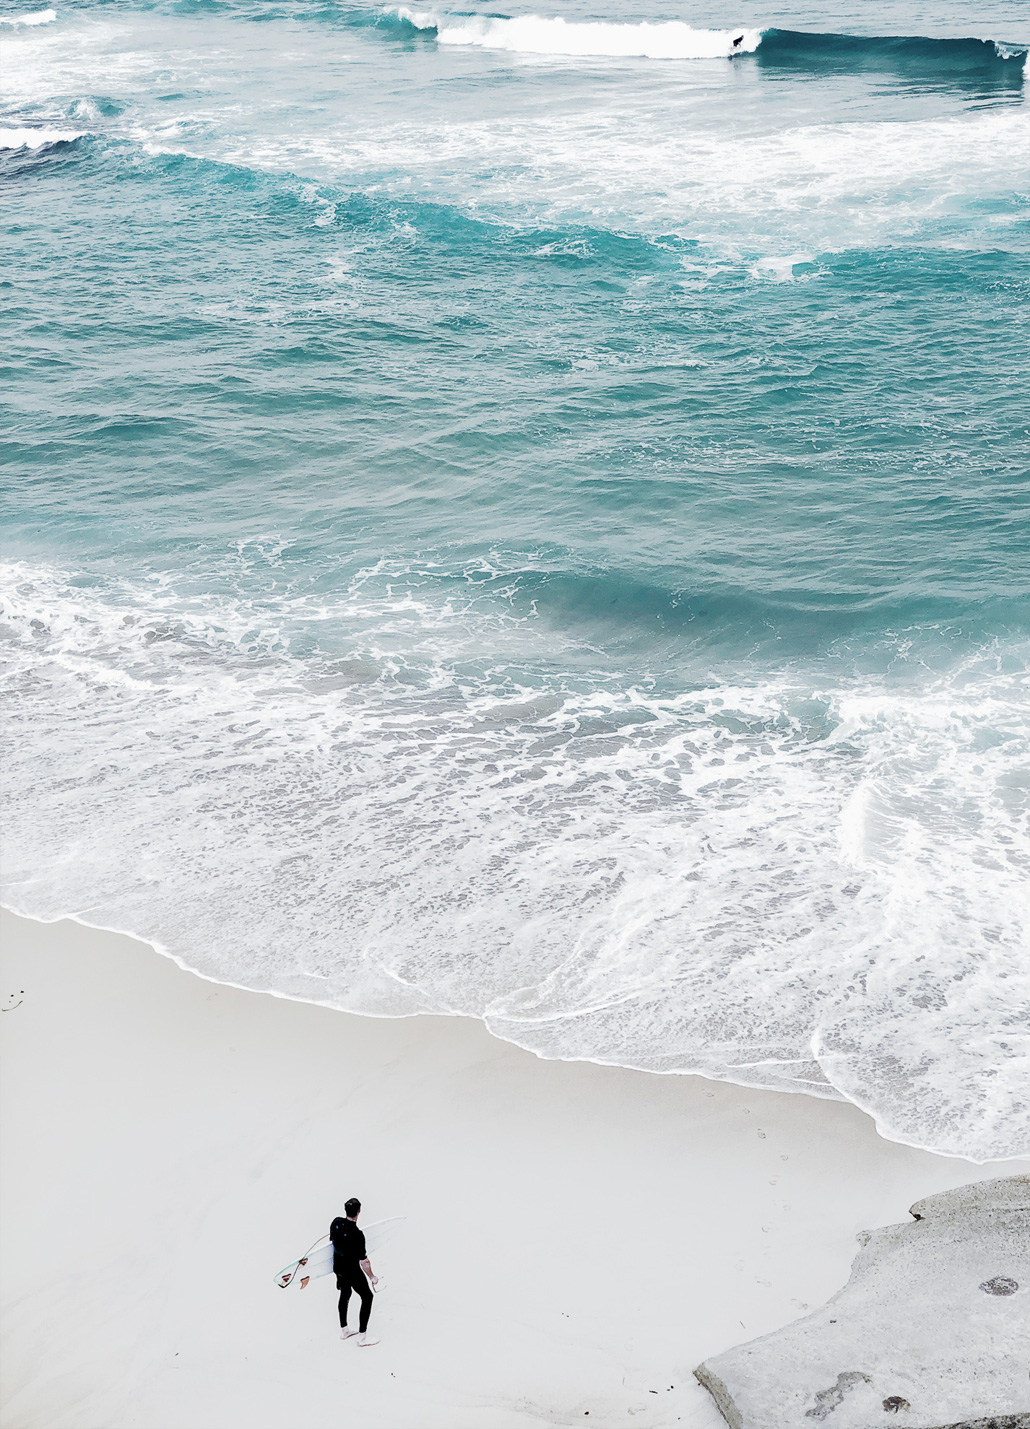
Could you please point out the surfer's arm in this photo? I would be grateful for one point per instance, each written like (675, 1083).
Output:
(366, 1266)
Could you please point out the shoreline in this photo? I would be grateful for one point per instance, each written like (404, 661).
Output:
(189, 1138)
(9, 910)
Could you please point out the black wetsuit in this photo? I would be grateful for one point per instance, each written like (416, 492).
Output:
(348, 1253)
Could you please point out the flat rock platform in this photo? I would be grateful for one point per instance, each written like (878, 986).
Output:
(932, 1330)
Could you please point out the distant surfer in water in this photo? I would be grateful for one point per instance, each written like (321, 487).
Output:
(352, 1270)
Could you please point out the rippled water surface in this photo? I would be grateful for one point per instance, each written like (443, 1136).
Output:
(525, 515)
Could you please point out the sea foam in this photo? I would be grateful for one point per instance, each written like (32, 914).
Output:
(787, 882)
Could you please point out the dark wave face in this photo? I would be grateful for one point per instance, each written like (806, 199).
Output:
(531, 533)
(978, 65)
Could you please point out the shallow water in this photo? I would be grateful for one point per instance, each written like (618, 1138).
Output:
(526, 516)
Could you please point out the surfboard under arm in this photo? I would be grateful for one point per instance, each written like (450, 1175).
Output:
(318, 1261)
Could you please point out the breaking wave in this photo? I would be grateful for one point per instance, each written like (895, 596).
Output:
(536, 34)
(673, 39)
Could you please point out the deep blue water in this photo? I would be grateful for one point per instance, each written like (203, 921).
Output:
(527, 515)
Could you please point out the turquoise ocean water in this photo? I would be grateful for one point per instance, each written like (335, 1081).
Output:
(525, 515)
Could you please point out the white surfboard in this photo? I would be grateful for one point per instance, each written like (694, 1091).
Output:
(318, 1260)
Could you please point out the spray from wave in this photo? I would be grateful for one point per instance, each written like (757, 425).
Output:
(32, 17)
(536, 34)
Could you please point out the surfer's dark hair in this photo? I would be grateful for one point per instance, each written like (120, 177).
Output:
(353, 1206)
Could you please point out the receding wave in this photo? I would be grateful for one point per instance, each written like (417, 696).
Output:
(782, 879)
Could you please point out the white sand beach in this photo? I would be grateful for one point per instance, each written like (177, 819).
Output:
(577, 1239)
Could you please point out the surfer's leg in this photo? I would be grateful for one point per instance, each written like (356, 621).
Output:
(343, 1285)
(363, 1288)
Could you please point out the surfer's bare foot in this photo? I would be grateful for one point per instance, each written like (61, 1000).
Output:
(366, 1341)
(346, 1334)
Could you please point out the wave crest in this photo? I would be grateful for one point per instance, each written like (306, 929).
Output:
(25, 138)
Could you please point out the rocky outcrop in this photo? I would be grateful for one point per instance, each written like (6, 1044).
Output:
(932, 1331)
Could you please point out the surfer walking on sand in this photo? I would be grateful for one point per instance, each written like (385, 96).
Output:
(352, 1270)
